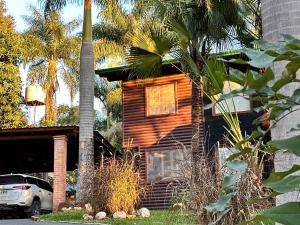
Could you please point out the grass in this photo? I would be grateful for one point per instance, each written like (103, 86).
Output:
(158, 217)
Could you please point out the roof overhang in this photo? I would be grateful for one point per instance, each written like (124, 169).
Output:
(29, 150)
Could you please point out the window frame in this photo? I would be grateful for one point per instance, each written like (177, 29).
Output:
(174, 83)
(214, 113)
(164, 178)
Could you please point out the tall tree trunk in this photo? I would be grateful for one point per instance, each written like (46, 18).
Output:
(198, 150)
(86, 124)
(50, 108)
(199, 155)
(282, 17)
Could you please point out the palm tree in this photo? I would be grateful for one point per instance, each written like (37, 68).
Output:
(86, 124)
(51, 52)
(282, 17)
(86, 90)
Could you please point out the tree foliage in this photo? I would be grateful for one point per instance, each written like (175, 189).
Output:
(11, 49)
(67, 115)
(52, 51)
(110, 94)
(258, 88)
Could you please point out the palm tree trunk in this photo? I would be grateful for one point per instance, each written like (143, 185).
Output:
(86, 124)
(198, 151)
(50, 109)
(282, 17)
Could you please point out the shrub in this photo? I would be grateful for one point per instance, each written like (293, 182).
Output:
(116, 186)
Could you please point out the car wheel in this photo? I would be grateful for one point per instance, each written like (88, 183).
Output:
(35, 208)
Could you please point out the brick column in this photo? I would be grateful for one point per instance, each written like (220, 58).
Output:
(60, 170)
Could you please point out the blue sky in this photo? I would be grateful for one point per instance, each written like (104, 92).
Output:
(18, 8)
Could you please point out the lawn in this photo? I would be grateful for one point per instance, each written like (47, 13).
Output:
(158, 217)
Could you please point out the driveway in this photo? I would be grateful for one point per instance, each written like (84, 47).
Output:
(29, 222)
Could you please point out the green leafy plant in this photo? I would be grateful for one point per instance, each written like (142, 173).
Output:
(258, 88)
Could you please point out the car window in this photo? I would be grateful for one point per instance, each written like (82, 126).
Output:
(48, 186)
(40, 183)
(31, 180)
(13, 179)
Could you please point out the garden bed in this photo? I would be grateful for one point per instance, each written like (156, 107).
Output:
(158, 217)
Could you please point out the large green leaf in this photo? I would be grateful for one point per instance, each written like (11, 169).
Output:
(285, 79)
(293, 66)
(257, 81)
(238, 165)
(262, 61)
(222, 204)
(287, 184)
(237, 76)
(290, 144)
(287, 214)
(277, 176)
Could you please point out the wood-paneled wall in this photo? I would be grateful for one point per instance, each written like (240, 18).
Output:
(156, 133)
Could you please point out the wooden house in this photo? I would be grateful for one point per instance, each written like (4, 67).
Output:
(157, 122)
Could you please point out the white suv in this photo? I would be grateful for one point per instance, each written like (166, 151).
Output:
(23, 193)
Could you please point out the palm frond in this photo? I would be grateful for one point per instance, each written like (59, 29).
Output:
(104, 48)
(148, 46)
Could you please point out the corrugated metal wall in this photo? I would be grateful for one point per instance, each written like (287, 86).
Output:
(156, 133)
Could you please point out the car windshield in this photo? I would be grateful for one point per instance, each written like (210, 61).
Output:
(14, 179)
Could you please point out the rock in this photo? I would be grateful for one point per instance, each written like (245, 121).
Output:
(119, 215)
(62, 205)
(35, 218)
(178, 206)
(64, 209)
(100, 215)
(88, 208)
(143, 212)
(77, 208)
(87, 217)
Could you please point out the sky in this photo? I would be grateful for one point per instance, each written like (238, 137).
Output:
(18, 8)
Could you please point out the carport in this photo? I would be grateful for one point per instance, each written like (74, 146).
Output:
(46, 149)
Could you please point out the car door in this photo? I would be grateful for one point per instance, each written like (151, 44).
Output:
(48, 196)
(42, 194)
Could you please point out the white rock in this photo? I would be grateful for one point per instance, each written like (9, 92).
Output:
(64, 209)
(119, 215)
(87, 217)
(100, 215)
(143, 212)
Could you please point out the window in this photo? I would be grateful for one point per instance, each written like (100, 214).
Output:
(160, 100)
(163, 164)
(236, 104)
(11, 179)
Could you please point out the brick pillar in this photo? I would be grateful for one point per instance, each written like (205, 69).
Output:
(60, 170)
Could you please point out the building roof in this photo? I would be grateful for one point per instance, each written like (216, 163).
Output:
(122, 73)
(30, 150)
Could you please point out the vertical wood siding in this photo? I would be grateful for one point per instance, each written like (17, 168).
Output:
(156, 133)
